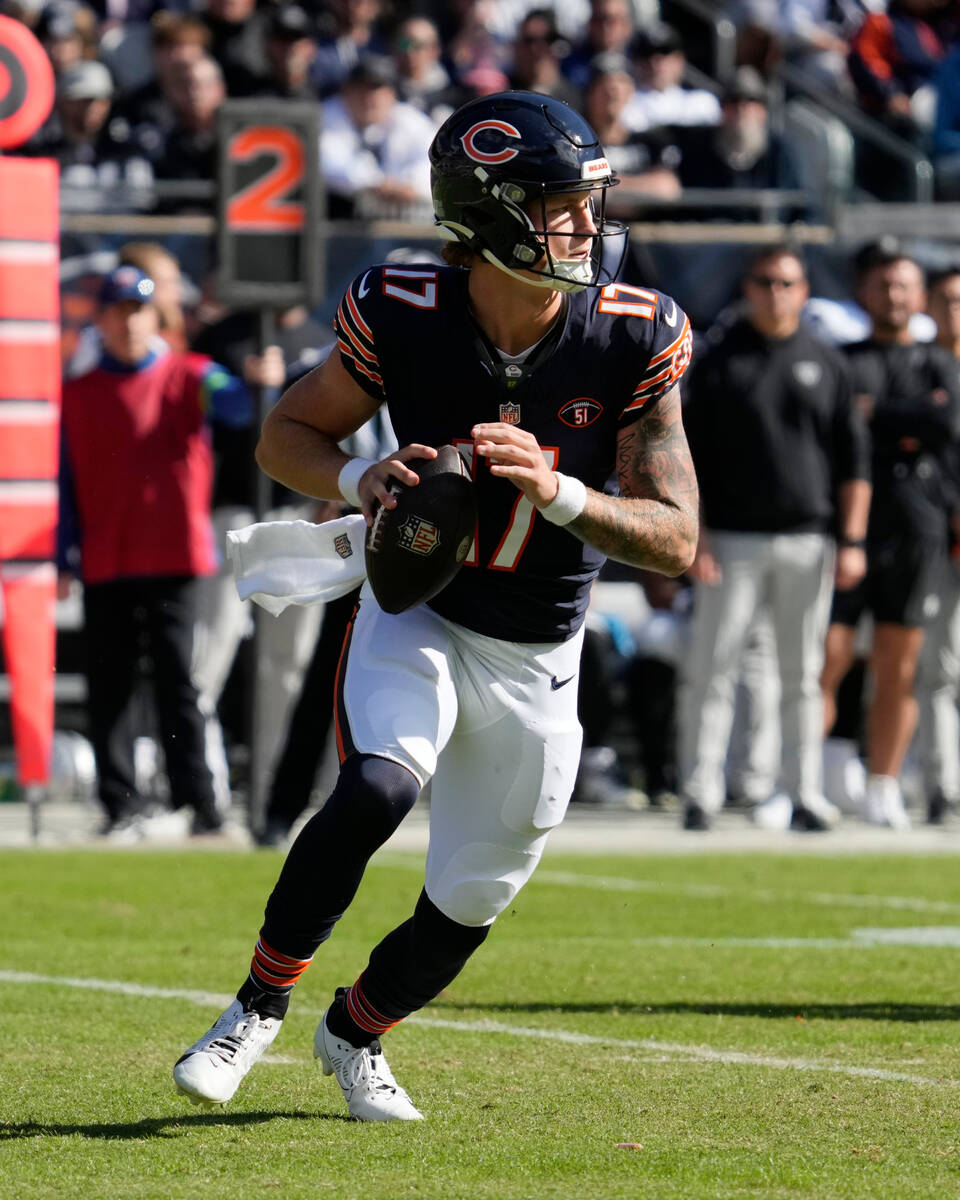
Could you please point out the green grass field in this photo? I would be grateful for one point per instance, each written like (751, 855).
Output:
(752, 1026)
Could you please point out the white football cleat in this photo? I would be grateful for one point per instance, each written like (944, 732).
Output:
(369, 1088)
(883, 802)
(213, 1067)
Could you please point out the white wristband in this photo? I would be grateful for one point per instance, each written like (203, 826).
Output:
(568, 503)
(349, 479)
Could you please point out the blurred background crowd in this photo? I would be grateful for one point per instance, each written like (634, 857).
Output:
(774, 118)
(735, 94)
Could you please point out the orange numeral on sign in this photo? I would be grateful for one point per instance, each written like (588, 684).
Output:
(261, 207)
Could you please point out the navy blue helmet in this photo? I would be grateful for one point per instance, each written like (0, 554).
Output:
(493, 163)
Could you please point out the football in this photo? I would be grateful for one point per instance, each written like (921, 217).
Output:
(415, 549)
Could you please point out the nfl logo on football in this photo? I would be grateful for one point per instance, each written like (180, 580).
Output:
(418, 536)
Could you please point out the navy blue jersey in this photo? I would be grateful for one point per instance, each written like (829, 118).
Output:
(407, 337)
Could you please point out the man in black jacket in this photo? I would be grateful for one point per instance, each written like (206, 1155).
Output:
(782, 462)
(909, 392)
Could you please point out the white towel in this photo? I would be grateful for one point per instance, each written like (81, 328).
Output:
(279, 563)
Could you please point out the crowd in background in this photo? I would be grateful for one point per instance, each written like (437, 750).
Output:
(139, 86)
(138, 91)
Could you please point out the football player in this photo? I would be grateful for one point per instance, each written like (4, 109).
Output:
(550, 376)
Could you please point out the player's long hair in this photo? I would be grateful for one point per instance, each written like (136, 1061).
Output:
(458, 255)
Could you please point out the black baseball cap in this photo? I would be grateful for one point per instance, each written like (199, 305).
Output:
(374, 69)
(746, 83)
(656, 38)
(290, 22)
(880, 253)
(609, 62)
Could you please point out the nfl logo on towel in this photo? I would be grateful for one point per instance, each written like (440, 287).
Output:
(341, 543)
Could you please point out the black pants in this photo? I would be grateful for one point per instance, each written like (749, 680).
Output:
(128, 623)
(303, 749)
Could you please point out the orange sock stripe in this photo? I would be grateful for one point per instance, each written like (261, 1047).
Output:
(266, 969)
(364, 1014)
(276, 981)
(279, 958)
(277, 970)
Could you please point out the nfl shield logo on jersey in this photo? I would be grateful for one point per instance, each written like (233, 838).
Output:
(418, 536)
(510, 414)
(341, 543)
(807, 373)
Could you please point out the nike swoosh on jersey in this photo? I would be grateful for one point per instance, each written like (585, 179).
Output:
(556, 684)
(363, 289)
(671, 319)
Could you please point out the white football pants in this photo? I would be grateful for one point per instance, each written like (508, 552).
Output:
(492, 726)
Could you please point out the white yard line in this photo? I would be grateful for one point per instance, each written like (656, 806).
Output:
(713, 891)
(765, 895)
(643, 1046)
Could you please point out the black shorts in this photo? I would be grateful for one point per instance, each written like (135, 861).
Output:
(900, 586)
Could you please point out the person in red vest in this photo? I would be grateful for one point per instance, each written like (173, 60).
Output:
(136, 477)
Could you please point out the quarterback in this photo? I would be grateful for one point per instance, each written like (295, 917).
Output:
(551, 378)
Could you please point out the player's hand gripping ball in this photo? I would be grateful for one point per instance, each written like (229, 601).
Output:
(415, 549)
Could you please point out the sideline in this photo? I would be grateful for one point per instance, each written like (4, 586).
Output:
(586, 829)
(642, 1047)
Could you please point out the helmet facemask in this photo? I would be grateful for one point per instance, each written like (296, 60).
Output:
(504, 233)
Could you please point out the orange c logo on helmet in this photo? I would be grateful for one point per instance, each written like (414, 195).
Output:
(482, 156)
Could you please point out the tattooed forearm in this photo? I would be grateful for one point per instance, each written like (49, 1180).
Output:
(653, 523)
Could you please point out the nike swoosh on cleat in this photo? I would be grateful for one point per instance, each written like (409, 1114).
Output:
(363, 289)
(556, 684)
(671, 320)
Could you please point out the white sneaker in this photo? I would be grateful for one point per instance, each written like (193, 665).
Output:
(370, 1090)
(774, 813)
(212, 1069)
(165, 825)
(883, 803)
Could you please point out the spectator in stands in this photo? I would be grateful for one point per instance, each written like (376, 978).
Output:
(660, 97)
(353, 35)
(782, 462)
(938, 673)
(894, 56)
(135, 520)
(238, 40)
(291, 50)
(422, 79)
(68, 32)
(467, 40)
(644, 162)
(946, 127)
(102, 166)
(609, 29)
(537, 53)
(373, 147)
(195, 90)
(742, 152)
(176, 38)
(815, 37)
(910, 394)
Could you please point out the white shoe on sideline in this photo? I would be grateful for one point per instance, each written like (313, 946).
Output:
(883, 803)
(774, 813)
(368, 1085)
(165, 825)
(213, 1067)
